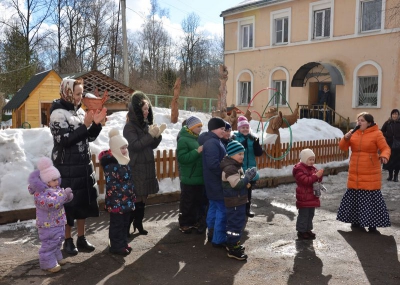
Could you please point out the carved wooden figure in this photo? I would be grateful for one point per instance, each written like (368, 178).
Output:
(174, 102)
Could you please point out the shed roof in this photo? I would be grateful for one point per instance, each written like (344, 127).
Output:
(117, 92)
(23, 93)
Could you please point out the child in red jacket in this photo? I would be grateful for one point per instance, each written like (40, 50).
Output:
(306, 175)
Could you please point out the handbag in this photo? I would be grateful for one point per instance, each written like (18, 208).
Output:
(395, 143)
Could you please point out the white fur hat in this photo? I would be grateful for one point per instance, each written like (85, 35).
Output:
(306, 154)
(116, 142)
(47, 171)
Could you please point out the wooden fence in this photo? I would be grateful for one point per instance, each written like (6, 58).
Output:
(325, 151)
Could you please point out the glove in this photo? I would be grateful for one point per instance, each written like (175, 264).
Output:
(162, 128)
(250, 173)
(153, 130)
(69, 194)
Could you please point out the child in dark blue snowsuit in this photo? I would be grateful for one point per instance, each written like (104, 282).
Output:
(235, 184)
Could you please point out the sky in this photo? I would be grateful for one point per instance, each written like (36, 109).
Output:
(20, 150)
(209, 12)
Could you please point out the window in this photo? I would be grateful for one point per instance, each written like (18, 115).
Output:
(281, 30)
(322, 23)
(247, 36)
(367, 91)
(280, 27)
(244, 93)
(371, 15)
(280, 98)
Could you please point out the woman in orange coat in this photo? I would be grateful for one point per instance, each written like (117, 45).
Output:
(362, 205)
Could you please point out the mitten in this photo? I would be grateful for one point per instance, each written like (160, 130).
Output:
(250, 173)
(69, 194)
(153, 130)
(162, 128)
(258, 151)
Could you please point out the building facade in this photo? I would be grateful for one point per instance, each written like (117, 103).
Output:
(297, 47)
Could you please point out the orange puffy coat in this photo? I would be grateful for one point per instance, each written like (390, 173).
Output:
(365, 166)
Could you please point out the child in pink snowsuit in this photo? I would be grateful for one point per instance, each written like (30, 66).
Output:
(50, 215)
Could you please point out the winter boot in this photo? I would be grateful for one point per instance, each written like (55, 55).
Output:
(396, 176)
(131, 218)
(138, 221)
(69, 247)
(236, 252)
(82, 243)
(249, 213)
(390, 175)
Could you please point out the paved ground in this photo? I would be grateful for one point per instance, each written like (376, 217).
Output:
(166, 256)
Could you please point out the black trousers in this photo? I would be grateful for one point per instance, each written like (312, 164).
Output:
(119, 225)
(192, 197)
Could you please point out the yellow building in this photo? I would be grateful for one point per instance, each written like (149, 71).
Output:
(297, 47)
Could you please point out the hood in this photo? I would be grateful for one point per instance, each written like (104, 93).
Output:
(62, 104)
(36, 185)
(227, 160)
(185, 132)
(203, 137)
(107, 159)
(135, 113)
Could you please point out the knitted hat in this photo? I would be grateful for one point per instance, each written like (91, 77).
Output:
(305, 154)
(242, 122)
(228, 126)
(193, 122)
(116, 142)
(215, 123)
(234, 147)
(67, 89)
(47, 171)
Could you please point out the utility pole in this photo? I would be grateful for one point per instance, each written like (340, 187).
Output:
(124, 43)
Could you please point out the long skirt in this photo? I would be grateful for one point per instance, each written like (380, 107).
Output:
(364, 207)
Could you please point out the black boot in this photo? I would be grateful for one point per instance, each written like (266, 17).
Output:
(131, 218)
(249, 213)
(83, 244)
(390, 175)
(69, 246)
(236, 252)
(396, 175)
(138, 221)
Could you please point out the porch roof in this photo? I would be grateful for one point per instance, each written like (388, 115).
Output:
(300, 75)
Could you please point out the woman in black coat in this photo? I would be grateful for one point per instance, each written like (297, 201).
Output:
(391, 130)
(72, 129)
(143, 137)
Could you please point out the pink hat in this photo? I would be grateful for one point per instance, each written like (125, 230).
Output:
(242, 122)
(47, 171)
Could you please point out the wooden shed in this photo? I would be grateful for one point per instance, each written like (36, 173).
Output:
(30, 106)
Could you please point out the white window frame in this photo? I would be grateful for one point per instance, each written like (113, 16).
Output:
(239, 85)
(358, 24)
(271, 83)
(276, 15)
(356, 84)
(316, 6)
(249, 24)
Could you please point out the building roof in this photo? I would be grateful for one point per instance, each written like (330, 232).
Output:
(249, 5)
(23, 93)
(117, 92)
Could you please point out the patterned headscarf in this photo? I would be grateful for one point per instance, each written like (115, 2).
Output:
(67, 89)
